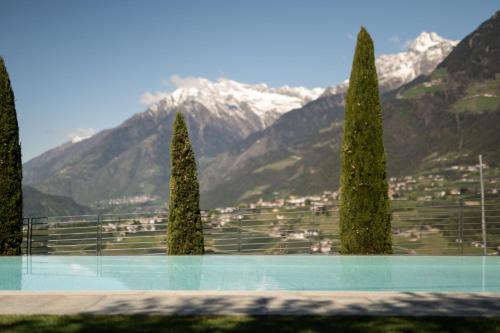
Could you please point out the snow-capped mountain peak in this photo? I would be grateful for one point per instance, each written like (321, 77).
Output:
(253, 107)
(425, 41)
(422, 56)
(227, 98)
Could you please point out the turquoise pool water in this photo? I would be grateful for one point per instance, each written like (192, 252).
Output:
(212, 272)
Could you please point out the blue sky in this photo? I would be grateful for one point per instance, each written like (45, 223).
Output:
(78, 65)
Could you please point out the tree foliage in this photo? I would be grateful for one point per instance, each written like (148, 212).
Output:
(185, 227)
(11, 197)
(365, 220)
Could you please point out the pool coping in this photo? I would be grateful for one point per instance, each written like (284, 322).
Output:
(188, 302)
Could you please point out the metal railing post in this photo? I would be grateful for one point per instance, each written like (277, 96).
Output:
(461, 225)
(239, 235)
(98, 236)
(314, 224)
(483, 217)
(29, 236)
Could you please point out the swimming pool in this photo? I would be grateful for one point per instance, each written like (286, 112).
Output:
(214, 272)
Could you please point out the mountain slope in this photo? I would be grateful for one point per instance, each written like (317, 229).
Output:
(38, 204)
(444, 118)
(132, 159)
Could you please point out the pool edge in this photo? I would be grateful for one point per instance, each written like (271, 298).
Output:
(476, 304)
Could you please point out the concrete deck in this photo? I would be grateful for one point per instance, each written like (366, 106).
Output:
(251, 303)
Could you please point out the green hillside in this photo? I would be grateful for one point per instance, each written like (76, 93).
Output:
(452, 113)
(37, 204)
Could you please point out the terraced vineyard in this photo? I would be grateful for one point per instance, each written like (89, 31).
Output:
(426, 228)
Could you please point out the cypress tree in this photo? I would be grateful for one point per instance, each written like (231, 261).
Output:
(11, 196)
(365, 219)
(185, 227)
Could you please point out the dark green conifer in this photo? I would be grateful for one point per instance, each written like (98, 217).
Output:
(185, 227)
(365, 220)
(11, 196)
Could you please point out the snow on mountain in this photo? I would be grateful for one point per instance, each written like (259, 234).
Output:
(252, 107)
(227, 98)
(245, 108)
(422, 56)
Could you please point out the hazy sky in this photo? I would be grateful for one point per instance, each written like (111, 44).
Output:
(82, 66)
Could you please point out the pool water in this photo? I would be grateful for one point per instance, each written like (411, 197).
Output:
(213, 272)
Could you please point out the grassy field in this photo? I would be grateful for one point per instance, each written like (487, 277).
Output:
(421, 89)
(480, 97)
(263, 232)
(309, 324)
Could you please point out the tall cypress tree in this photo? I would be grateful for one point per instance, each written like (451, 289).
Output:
(365, 220)
(185, 227)
(11, 196)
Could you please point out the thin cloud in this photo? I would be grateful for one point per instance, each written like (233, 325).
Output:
(407, 43)
(187, 82)
(175, 82)
(80, 134)
(149, 98)
(395, 40)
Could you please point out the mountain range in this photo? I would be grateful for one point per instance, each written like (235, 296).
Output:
(254, 141)
(444, 118)
(422, 56)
